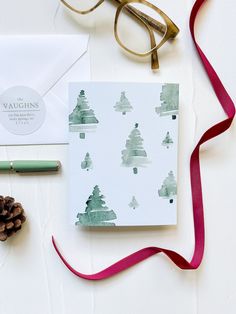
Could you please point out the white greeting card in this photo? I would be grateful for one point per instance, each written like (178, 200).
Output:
(123, 153)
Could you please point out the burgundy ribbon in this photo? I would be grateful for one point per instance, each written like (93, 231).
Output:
(196, 187)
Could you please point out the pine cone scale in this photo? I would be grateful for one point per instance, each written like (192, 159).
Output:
(9, 225)
(9, 216)
(4, 213)
(2, 226)
(17, 211)
(17, 223)
(23, 219)
(3, 236)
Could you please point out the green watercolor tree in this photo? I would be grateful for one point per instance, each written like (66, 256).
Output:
(82, 118)
(96, 212)
(169, 98)
(87, 162)
(134, 155)
(168, 189)
(123, 105)
(133, 204)
(167, 142)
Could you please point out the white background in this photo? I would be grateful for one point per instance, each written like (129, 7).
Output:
(33, 280)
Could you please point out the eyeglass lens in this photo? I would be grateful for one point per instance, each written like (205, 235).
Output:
(132, 28)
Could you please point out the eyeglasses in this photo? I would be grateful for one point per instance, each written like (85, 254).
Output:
(149, 30)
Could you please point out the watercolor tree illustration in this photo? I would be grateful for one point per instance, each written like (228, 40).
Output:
(87, 162)
(134, 155)
(167, 142)
(168, 189)
(96, 212)
(133, 204)
(123, 105)
(82, 119)
(169, 98)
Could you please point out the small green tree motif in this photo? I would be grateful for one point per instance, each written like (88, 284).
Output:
(123, 105)
(87, 162)
(134, 155)
(96, 213)
(170, 100)
(82, 118)
(169, 187)
(133, 204)
(167, 140)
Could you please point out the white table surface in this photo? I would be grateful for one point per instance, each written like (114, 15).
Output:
(33, 279)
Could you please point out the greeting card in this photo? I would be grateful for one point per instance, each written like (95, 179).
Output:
(123, 153)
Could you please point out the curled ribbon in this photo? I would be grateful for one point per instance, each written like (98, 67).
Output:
(196, 187)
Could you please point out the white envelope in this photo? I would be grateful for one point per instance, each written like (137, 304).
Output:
(44, 63)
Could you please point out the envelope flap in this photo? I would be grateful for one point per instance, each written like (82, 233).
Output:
(39, 61)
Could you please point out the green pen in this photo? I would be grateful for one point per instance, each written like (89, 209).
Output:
(30, 165)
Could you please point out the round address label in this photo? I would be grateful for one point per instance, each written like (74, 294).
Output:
(22, 110)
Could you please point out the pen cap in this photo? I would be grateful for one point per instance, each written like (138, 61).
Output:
(35, 165)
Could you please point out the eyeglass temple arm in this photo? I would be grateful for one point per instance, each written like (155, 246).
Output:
(154, 60)
(148, 19)
(173, 30)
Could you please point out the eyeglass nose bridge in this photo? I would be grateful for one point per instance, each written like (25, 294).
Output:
(70, 7)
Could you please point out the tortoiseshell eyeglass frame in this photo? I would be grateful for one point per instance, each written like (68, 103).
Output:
(168, 30)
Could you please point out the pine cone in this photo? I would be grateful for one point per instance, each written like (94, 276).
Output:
(11, 217)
